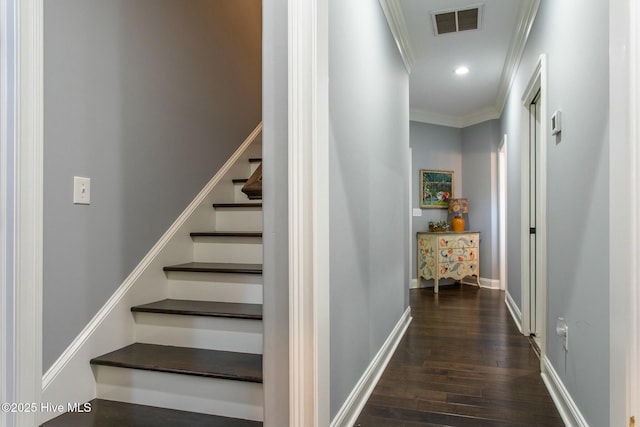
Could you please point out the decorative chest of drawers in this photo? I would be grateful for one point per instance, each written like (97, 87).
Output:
(452, 255)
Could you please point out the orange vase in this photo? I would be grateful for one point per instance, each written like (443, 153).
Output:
(457, 223)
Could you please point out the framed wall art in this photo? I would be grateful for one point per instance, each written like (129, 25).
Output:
(436, 188)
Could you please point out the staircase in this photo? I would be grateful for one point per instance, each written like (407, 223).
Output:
(197, 359)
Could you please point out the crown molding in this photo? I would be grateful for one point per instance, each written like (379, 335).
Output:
(424, 116)
(395, 18)
(528, 12)
(489, 113)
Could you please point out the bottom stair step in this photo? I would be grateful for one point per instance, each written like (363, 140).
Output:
(187, 361)
(108, 413)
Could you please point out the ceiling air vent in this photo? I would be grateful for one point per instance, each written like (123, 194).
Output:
(453, 21)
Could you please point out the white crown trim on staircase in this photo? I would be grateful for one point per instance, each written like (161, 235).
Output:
(353, 405)
(70, 378)
(395, 18)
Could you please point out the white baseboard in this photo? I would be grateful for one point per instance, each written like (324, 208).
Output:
(567, 408)
(413, 284)
(489, 283)
(514, 310)
(70, 378)
(347, 415)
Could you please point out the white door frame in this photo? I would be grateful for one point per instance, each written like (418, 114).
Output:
(624, 225)
(7, 202)
(24, 236)
(502, 211)
(538, 81)
(309, 213)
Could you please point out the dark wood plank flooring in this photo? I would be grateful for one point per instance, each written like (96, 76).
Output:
(462, 362)
(107, 413)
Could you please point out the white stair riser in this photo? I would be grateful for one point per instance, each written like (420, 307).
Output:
(236, 219)
(238, 195)
(244, 288)
(210, 333)
(227, 249)
(213, 396)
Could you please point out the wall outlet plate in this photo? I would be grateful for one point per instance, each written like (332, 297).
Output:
(556, 123)
(562, 330)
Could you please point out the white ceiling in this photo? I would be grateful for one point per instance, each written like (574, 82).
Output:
(437, 94)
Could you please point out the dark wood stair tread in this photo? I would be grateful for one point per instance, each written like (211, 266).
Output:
(216, 267)
(225, 234)
(240, 181)
(237, 205)
(109, 413)
(187, 361)
(202, 308)
(255, 160)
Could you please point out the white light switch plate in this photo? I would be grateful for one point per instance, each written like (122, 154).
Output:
(417, 212)
(81, 190)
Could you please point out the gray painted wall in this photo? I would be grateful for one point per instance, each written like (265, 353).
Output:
(578, 180)
(432, 147)
(275, 214)
(369, 219)
(479, 165)
(148, 98)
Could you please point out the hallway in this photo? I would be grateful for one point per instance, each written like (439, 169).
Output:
(462, 362)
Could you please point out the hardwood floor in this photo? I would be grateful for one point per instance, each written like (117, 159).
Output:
(462, 362)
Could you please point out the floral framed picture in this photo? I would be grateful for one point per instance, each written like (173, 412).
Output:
(436, 188)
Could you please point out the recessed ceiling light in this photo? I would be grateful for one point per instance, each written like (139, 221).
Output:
(461, 71)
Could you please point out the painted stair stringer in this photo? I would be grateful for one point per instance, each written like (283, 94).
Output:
(71, 378)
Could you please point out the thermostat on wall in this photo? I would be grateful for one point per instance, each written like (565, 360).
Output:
(556, 123)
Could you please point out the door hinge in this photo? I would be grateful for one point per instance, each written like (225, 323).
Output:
(532, 230)
(632, 421)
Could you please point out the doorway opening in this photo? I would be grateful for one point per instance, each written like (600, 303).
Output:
(533, 207)
(534, 143)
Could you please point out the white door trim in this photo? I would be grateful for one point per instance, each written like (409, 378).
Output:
(27, 233)
(624, 224)
(502, 210)
(308, 213)
(538, 81)
(634, 197)
(7, 202)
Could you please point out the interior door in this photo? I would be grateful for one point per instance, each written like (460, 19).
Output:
(534, 142)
